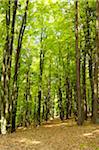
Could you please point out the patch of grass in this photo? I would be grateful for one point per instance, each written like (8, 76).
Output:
(82, 146)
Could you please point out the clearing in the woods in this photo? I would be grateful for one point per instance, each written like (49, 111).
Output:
(53, 135)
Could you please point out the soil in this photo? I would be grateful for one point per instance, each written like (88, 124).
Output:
(53, 135)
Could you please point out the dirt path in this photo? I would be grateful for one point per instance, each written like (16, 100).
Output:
(55, 135)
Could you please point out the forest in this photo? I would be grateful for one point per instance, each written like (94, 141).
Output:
(49, 74)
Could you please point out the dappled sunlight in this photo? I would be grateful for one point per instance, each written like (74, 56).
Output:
(29, 141)
(53, 134)
(68, 124)
(22, 128)
(55, 125)
(87, 134)
(91, 134)
(96, 131)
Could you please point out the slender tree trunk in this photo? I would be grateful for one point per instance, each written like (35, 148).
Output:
(86, 50)
(35, 108)
(3, 96)
(96, 70)
(40, 81)
(53, 105)
(89, 50)
(91, 74)
(84, 85)
(70, 97)
(78, 70)
(60, 101)
(67, 97)
(27, 97)
(75, 109)
(9, 60)
(48, 93)
(16, 69)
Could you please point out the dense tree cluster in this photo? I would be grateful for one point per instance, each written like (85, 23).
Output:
(49, 61)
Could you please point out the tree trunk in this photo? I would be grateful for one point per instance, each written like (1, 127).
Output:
(67, 97)
(84, 85)
(48, 93)
(16, 69)
(40, 81)
(78, 69)
(61, 111)
(96, 70)
(27, 97)
(5, 117)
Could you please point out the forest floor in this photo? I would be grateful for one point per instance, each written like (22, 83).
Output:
(54, 135)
